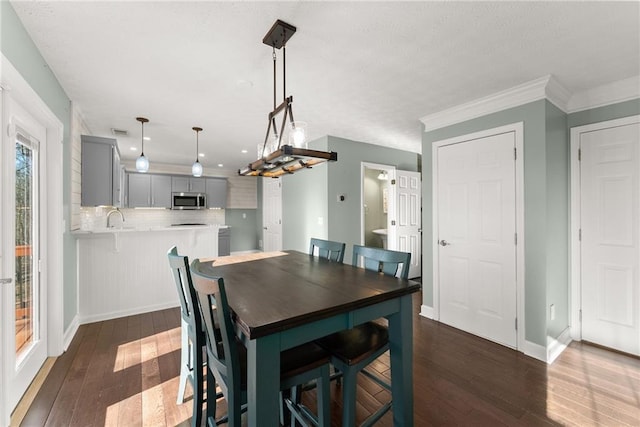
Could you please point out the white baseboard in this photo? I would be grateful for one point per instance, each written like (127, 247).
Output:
(555, 346)
(426, 311)
(99, 317)
(250, 251)
(534, 350)
(70, 333)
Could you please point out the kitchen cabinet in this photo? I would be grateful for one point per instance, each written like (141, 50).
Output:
(101, 172)
(149, 191)
(216, 192)
(186, 184)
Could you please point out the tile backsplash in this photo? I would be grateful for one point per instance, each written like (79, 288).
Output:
(96, 218)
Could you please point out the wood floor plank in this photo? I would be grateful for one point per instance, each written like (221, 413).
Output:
(125, 373)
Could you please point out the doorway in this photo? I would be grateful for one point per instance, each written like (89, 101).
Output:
(391, 211)
(31, 233)
(478, 227)
(605, 188)
(272, 214)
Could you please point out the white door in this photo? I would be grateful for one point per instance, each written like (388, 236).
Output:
(476, 211)
(272, 214)
(610, 245)
(407, 218)
(24, 300)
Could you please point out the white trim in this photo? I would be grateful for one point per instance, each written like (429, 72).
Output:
(575, 255)
(611, 93)
(123, 313)
(71, 332)
(534, 350)
(518, 130)
(546, 87)
(426, 311)
(555, 346)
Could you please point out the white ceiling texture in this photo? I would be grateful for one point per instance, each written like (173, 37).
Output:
(365, 71)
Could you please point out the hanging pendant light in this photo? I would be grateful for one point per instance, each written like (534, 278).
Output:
(196, 169)
(142, 163)
(275, 157)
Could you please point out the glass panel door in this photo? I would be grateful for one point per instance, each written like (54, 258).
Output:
(26, 245)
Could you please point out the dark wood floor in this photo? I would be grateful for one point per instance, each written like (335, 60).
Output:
(124, 372)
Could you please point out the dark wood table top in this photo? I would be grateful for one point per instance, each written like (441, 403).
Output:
(274, 291)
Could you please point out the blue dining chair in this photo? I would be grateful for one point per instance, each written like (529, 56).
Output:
(227, 359)
(191, 356)
(333, 251)
(354, 349)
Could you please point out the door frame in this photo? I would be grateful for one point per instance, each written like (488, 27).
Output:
(53, 227)
(575, 297)
(391, 171)
(518, 130)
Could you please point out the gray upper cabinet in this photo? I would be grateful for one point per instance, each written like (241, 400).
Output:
(185, 184)
(149, 191)
(216, 192)
(101, 172)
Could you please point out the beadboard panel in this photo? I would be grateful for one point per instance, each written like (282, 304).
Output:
(128, 273)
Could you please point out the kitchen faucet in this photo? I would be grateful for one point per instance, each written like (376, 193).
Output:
(109, 216)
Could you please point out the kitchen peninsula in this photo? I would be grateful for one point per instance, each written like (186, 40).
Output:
(123, 270)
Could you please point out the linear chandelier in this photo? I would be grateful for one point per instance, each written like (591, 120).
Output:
(276, 158)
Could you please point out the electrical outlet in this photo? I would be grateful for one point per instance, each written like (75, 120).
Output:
(244, 215)
(260, 244)
(552, 312)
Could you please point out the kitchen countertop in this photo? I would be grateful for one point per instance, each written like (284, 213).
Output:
(112, 230)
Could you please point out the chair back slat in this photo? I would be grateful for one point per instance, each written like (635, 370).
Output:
(382, 260)
(333, 251)
(222, 350)
(182, 277)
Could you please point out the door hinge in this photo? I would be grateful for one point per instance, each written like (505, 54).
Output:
(516, 323)
(580, 234)
(515, 153)
(39, 266)
(393, 222)
(579, 154)
(393, 182)
(580, 315)
(515, 238)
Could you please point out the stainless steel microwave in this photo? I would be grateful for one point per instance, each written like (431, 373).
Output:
(188, 201)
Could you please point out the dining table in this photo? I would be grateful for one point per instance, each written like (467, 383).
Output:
(286, 298)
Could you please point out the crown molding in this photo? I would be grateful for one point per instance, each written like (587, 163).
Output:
(546, 87)
(611, 93)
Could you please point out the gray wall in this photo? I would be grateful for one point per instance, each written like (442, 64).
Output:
(244, 235)
(304, 201)
(601, 114)
(17, 47)
(344, 178)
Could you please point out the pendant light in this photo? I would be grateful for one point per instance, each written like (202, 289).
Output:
(275, 157)
(142, 163)
(196, 169)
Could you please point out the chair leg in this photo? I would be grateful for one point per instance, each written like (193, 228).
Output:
(198, 389)
(324, 398)
(211, 398)
(185, 362)
(349, 386)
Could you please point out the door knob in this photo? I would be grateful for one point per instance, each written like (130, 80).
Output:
(444, 243)
(264, 228)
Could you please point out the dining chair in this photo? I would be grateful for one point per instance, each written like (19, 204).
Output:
(191, 355)
(354, 349)
(227, 359)
(333, 251)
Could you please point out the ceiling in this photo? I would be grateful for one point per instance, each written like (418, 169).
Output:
(365, 71)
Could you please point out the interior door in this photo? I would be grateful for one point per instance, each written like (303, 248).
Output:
(408, 217)
(610, 243)
(272, 214)
(24, 299)
(476, 228)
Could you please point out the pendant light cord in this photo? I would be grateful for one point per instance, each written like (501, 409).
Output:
(142, 152)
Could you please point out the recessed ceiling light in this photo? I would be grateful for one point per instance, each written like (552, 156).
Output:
(244, 83)
(244, 151)
(201, 154)
(220, 165)
(133, 148)
(146, 138)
